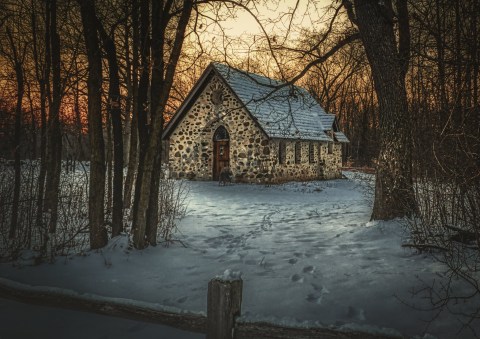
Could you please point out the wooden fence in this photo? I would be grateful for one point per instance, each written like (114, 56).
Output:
(224, 302)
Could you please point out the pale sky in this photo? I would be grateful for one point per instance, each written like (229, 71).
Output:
(274, 15)
(308, 14)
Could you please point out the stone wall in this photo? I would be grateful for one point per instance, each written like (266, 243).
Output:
(253, 156)
(324, 165)
(332, 162)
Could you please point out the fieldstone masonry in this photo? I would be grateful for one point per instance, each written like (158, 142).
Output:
(253, 155)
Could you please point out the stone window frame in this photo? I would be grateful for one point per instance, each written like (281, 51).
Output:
(330, 147)
(221, 133)
(282, 152)
(311, 153)
(298, 152)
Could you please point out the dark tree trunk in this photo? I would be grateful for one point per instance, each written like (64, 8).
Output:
(43, 81)
(78, 122)
(133, 150)
(115, 109)
(33, 123)
(17, 137)
(160, 18)
(98, 233)
(147, 197)
(393, 187)
(439, 42)
(54, 133)
(142, 104)
(109, 160)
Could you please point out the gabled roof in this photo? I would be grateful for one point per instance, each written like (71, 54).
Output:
(288, 112)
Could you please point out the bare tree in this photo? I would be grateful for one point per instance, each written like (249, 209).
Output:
(16, 58)
(375, 22)
(98, 233)
(132, 87)
(114, 108)
(54, 133)
(145, 217)
(42, 75)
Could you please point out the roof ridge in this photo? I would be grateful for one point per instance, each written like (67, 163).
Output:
(252, 74)
(279, 82)
(287, 111)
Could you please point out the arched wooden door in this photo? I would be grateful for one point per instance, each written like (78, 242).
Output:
(221, 151)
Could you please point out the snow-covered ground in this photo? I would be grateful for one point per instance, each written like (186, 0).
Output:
(307, 252)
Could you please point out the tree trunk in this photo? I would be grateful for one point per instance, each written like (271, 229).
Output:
(133, 144)
(98, 233)
(148, 195)
(115, 109)
(159, 26)
(43, 82)
(393, 187)
(78, 121)
(142, 104)
(17, 137)
(109, 160)
(54, 133)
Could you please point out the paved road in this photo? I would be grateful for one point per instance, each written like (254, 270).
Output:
(25, 321)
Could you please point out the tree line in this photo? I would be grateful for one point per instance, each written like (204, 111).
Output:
(88, 85)
(97, 76)
(90, 80)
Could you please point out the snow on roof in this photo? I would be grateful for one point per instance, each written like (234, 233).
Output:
(283, 112)
(327, 121)
(340, 137)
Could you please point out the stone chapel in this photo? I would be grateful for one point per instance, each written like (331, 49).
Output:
(264, 130)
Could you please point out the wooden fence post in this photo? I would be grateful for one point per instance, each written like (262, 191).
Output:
(223, 305)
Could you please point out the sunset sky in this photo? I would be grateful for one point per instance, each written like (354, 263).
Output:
(274, 16)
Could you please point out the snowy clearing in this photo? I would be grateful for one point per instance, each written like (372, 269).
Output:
(307, 252)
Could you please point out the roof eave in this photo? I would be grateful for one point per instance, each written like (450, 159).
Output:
(181, 111)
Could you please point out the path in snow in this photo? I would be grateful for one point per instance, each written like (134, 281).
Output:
(306, 251)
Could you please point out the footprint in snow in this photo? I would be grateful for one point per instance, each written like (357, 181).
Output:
(292, 261)
(318, 296)
(297, 278)
(356, 313)
(182, 300)
(314, 298)
(309, 269)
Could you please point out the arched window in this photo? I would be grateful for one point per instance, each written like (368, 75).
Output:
(221, 134)
(282, 152)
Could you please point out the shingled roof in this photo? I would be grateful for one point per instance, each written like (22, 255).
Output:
(287, 112)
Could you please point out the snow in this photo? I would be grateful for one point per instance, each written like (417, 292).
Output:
(288, 112)
(230, 275)
(307, 252)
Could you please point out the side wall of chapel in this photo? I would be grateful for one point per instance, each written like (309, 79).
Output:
(253, 156)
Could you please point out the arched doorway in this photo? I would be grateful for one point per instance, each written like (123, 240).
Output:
(221, 151)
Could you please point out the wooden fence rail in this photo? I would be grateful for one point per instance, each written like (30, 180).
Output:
(223, 309)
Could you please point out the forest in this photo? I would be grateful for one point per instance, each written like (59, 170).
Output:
(87, 87)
